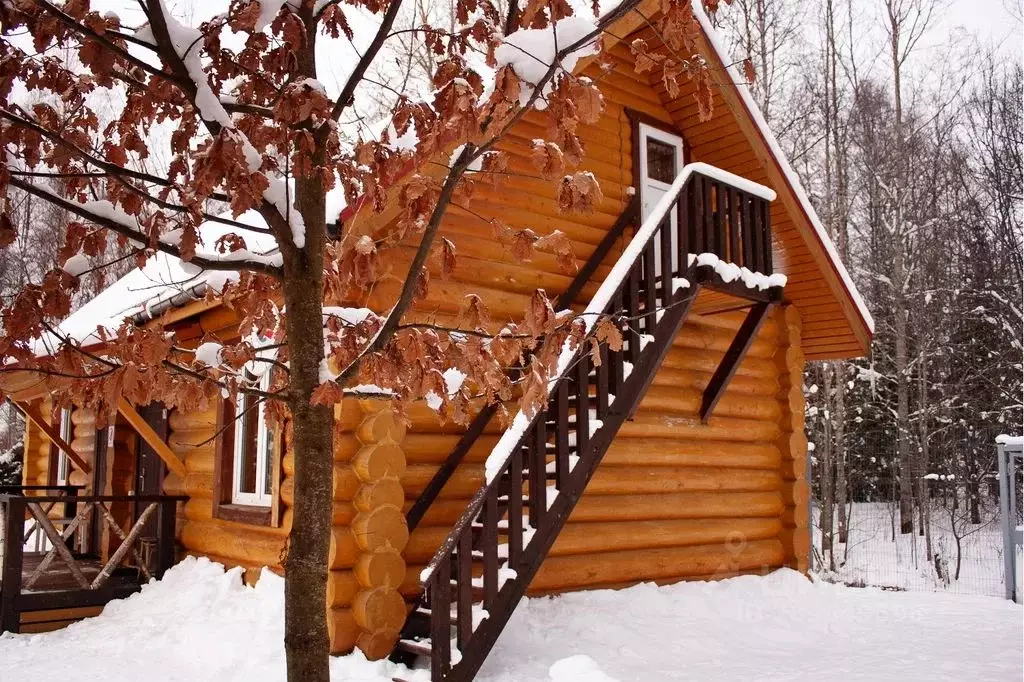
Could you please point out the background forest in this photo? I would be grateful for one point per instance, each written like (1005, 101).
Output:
(909, 140)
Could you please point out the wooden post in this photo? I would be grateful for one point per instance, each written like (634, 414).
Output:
(165, 537)
(490, 546)
(440, 620)
(747, 221)
(536, 448)
(464, 597)
(10, 580)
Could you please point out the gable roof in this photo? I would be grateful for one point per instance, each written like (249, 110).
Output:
(818, 237)
(837, 322)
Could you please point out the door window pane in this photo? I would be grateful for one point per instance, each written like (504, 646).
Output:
(661, 161)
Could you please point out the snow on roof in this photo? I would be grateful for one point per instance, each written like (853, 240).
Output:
(791, 177)
(167, 281)
(163, 280)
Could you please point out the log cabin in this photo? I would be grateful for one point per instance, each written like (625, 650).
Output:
(680, 456)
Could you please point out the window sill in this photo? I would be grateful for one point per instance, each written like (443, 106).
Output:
(240, 513)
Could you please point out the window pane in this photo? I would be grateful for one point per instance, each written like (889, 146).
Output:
(247, 475)
(661, 161)
(63, 461)
(268, 462)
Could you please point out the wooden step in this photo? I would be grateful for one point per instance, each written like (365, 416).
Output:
(414, 647)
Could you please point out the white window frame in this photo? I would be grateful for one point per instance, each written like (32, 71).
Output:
(66, 434)
(264, 450)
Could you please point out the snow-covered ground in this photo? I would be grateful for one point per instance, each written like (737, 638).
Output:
(873, 557)
(201, 623)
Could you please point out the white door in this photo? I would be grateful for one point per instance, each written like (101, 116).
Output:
(661, 160)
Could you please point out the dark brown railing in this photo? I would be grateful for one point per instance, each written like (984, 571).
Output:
(68, 571)
(541, 465)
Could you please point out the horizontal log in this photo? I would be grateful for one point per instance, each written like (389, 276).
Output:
(463, 483)
(653, 452)
(201, 509)
(370, 532)
(611, 480)
(795, 493)
(717, 341)
(796, 544)
(686, 505)
(200, 436)
(662, 565)
(342, 588)
(342, 630)
(661, 425)
(679, 358)
(587, 538)
(651, 564)
(595, 537)
(614, 480)
(718, 575)
(252, 570)
(379, 610)
(795, 517)
(685, 401)
(199, 460)
(253, 545)
(346, 484)
(178, 420)
(434, 449)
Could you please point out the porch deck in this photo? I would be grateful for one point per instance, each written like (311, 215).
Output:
(57, 576)
(71, 571)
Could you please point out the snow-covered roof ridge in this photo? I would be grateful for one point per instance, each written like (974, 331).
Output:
(791, 177)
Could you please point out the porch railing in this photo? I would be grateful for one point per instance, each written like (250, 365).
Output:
(74, 568)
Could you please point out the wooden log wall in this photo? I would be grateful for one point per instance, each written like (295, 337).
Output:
(792, 443)
(673, 499)
(366, 608)
(36, 463)
(231, 543)
(192, 437)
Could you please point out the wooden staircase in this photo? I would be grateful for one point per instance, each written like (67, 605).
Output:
(541, 465)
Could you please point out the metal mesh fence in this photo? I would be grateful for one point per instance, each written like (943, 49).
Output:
(956, 545)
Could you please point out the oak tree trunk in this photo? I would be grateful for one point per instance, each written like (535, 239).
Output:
(306, 639)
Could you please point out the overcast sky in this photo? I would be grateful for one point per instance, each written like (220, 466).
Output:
(989, 19)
